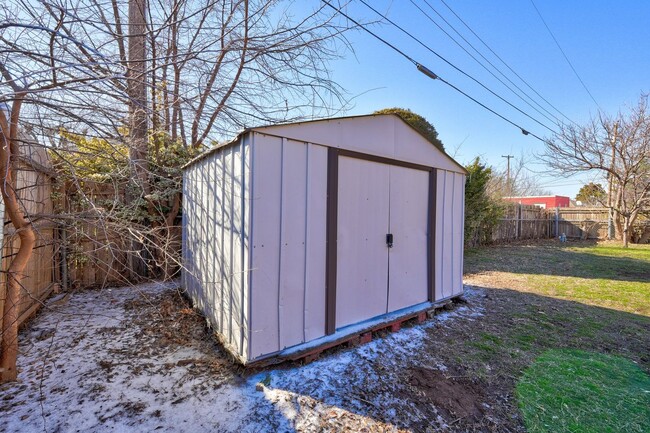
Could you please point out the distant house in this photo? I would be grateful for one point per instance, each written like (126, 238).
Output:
(543, 201)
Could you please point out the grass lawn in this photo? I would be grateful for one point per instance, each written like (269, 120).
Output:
(573, 390)
(603, 275)
(568, 327)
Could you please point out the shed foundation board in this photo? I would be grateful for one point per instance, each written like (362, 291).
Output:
(352, 335)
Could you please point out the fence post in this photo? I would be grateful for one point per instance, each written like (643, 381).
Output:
(610, 225)
(63, 255)
(557, 222)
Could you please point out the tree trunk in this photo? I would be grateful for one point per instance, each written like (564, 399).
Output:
(137, 91)
(626, 231)
(24, 229)
(618, 226)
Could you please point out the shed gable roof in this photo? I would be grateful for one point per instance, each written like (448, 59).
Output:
(385, 135)
(381, 134)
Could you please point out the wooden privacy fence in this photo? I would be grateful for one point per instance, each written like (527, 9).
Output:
(34, 185)
(93, 252)
(581, 223)
(98, 248)
(533, 222)
(523, 222)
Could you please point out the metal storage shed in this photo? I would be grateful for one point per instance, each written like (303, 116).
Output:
(296, 235)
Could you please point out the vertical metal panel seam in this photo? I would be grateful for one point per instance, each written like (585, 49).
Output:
(282, 143)
(215, 218)
(243, 248)
(184, 256)
(442, 230)
(233, 229)
(306, 261)
(195, 240)
(209, 197)
(251, 195)
(453, 226)
(231, 211)
(462, 233)
(222, 265)
(199, 218)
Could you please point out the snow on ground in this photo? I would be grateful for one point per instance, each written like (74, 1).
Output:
(125, 359)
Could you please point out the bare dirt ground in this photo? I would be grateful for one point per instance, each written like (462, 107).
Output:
(140, 359)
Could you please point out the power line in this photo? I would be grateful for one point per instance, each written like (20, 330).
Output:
(489, 71)
(454, 66)
(506, 64)
(564, 54)
(426, 71)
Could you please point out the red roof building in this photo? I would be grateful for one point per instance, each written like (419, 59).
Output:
(543, 201)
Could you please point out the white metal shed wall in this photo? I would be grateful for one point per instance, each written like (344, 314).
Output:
(288, 254)
(450, 218)
(216, 233)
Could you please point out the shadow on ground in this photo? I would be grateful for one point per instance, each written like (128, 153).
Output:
(463, 376)
(150, 364)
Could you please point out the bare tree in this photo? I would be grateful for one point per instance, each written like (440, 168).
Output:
(619, 148)
(23, 226)
(102, 88)
(33, 72)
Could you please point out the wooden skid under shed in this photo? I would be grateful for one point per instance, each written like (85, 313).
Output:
(354, 339)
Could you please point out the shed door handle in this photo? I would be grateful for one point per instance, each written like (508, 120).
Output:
(389, 240)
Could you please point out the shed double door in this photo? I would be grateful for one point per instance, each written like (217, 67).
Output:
(375, 200)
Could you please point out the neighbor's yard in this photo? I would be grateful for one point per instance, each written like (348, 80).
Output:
(551, 338)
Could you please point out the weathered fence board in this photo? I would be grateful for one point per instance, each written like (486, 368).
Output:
(532, 222)
(95, 251)
(34, 183)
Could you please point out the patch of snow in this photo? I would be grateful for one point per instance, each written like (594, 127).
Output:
(87, 365)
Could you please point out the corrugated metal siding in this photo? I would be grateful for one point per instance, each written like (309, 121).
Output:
(288, 252)
(450, 210)
(216, 202)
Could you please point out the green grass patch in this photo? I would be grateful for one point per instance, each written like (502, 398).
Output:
(606, 275)
(574, 391)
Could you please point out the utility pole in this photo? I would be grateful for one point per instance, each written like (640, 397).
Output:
(611, 233)
(508, 157)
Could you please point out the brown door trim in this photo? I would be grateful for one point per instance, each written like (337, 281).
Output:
(431, 234)
(331, 252)
(381, 159)
(331, 231)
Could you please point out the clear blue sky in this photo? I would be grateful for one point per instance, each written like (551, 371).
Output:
(607, 42)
